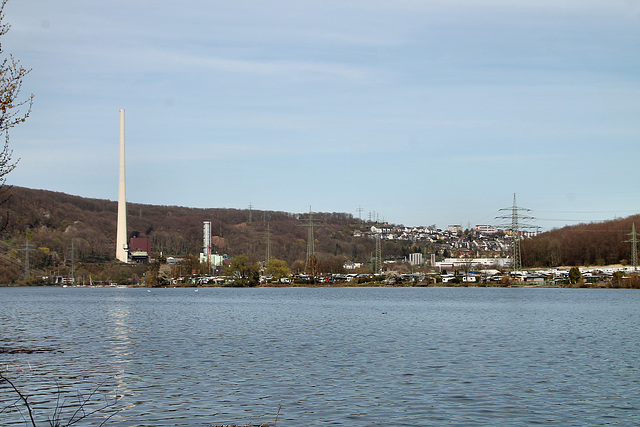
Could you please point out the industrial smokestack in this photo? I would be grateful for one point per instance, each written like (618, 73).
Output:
(122, 248)
(206, 240)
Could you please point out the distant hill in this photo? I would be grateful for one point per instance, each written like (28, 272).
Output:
(57, 221)
(597, 243)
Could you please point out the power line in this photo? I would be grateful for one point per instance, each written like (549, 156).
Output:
(568, 220)
(589, 212)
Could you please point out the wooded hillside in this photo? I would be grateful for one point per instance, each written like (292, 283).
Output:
(57, 222)
(599, 243)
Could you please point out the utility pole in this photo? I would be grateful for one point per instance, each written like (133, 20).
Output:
(360, 213)
(517, 225)
(250, 206)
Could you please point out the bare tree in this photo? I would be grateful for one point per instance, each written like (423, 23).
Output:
(13, 109)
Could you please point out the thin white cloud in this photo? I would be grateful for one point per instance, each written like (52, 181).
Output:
(522, 159)
(302, 70)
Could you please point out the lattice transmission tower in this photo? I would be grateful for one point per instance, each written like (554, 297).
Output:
(378, 260)
(27, 247)
(518, 217)
(310, 240)
(268, 254)
(634, 245)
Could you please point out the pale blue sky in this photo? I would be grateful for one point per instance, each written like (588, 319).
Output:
(425, 112)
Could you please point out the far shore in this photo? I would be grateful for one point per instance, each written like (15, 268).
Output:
(599, 285)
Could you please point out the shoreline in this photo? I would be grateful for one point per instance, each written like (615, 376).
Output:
(330, 285)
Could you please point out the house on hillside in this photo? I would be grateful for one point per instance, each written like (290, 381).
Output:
(139, 250)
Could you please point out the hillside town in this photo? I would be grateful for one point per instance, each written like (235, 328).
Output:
(483, 241)
(484, 255)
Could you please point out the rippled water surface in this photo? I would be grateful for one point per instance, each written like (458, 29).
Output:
(329, 356)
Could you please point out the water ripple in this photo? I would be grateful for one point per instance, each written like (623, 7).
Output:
(460, 356)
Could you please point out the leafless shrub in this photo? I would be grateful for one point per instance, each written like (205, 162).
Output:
(66, 413)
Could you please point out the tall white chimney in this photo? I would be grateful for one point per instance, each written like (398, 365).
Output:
(122, 248)
(206, 240)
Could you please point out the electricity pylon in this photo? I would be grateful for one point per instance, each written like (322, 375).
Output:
(73, 262)
(634, 245)
(517, 217)
(310, 240)
(27, 248)
(378, 260)
(268, 255)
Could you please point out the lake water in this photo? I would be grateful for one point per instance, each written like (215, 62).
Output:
(329, 356)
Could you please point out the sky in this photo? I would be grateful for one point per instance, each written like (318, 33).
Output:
(415, 112)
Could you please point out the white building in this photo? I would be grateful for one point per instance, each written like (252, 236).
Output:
(215, 260)
(350, 265)
(455, 229)
(486, 229)
(416, 259)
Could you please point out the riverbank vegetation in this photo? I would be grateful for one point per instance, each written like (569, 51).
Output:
(65, 408)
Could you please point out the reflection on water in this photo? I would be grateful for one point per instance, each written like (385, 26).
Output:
(120, 349)
(119, 341)
(404, 356)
